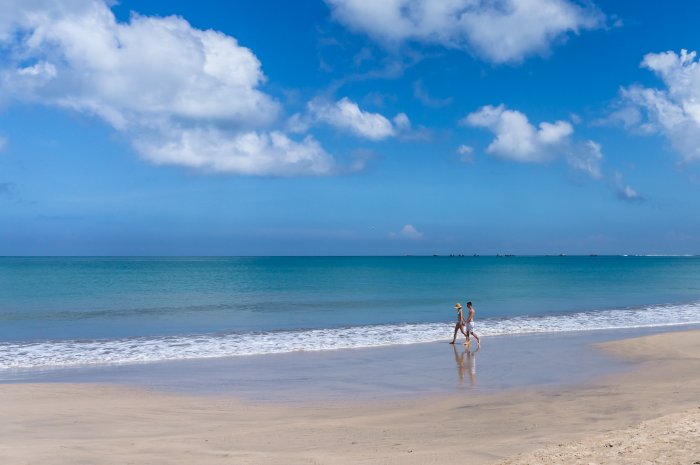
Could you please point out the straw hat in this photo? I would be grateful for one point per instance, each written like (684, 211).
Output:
(458, 306)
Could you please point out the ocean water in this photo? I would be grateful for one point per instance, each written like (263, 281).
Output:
(67, 312)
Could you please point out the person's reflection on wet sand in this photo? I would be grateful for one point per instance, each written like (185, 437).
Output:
(466, 363)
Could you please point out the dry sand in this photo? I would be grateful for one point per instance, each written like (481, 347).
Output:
(671, 439)
(649, 415)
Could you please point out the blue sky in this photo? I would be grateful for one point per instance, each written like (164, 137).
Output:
(349, 127)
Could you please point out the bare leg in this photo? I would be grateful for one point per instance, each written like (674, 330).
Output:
(478, 342)
(457, 328)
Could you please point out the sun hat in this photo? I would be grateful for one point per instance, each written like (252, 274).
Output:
(458, 305)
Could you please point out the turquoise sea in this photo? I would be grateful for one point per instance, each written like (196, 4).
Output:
(63, 312)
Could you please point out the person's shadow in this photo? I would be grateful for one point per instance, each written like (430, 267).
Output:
(466, 363)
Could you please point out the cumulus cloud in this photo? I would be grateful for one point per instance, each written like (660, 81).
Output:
(248, 153)
(516, 139)
(674, 110)
(500, 32)
(150, 67)
(348, 116)
(407, 232)
(158, 80)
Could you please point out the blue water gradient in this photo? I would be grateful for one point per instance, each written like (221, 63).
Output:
(148, 307)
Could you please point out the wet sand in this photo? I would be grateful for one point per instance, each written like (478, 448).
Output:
(648, 409)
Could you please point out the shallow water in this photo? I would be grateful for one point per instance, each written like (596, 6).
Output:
(58, 312)
(503, 362)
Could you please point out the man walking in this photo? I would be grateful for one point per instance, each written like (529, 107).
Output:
(470, 326)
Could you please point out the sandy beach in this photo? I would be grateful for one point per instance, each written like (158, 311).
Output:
(650, 414)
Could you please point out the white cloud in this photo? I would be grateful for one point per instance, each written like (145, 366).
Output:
(249, 153)
(401, 122)
(516, 139)
(626, 115)
(148, 67)
(347, 115)
(407, 232)
(629, 193)
(298, 123)
(42, 68)
(587, 158)
(156, 79)
(465, 149)
(466, 153)
(503, 31)
(673, 111)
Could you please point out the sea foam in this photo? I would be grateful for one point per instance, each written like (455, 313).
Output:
(70, 353)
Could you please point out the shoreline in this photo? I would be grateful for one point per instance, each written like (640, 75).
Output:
(49, 354)
(59, 423)
(403, 371)
(521, 361)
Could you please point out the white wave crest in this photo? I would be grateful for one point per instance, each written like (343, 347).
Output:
(67, 353)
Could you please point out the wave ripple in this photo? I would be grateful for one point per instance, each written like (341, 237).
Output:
(68, 353)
